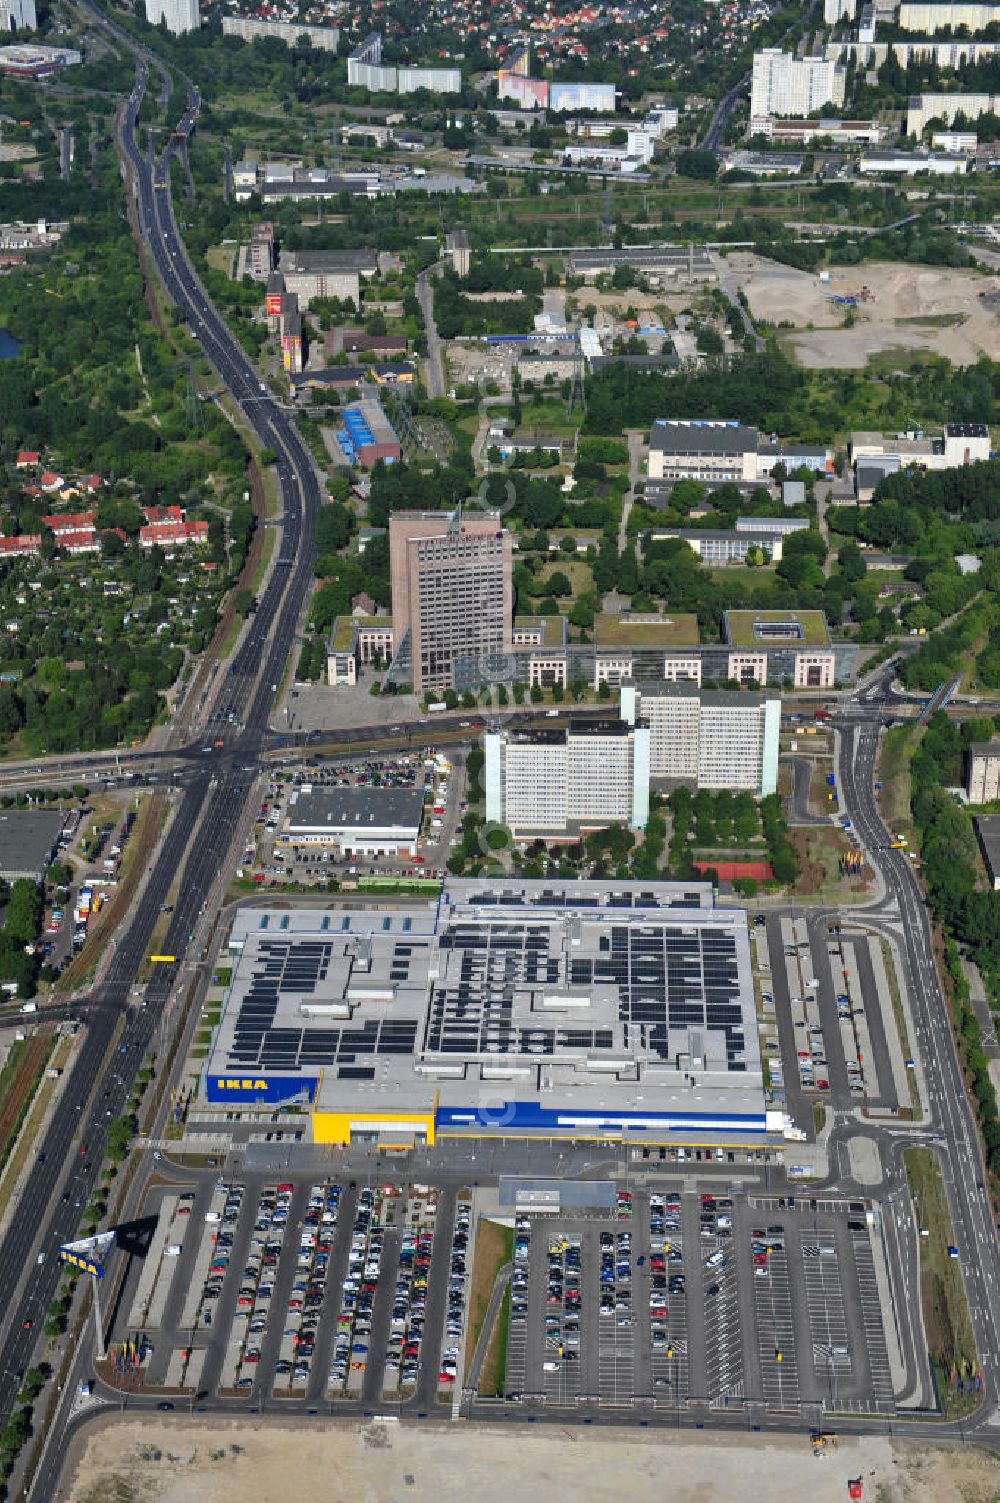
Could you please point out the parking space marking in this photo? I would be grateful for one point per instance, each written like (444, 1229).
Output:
(871, 1316)
(517, 1331)
(831, 1353)
(776, 1336)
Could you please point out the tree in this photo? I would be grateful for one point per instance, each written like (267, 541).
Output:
(696, 163)
(243, 601)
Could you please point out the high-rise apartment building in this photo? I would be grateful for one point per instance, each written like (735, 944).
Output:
(178, 15)
(577, 777)
(982, 772)
(711, 738)
(452, 591)
(783, 84)
(18, 15)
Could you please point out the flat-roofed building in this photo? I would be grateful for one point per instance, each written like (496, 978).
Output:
(544, 1010)
(788, 644)
(29, 839)
(708, 449)
(624, 641)
(982, 772)
(567, 779)
(710, 738)
(248, 28)
(354, 821)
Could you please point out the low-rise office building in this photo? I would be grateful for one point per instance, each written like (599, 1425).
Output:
(873, 454)
(356, 821)
(354, 642)
(719, 451)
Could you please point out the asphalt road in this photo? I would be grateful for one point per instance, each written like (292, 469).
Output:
(207, 814)
(959, 1147)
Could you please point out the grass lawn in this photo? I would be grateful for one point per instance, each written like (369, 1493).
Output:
(494, 1247)
(493, 1378)
(221, 258)
(898, 747)
(942, 1291)
(578, 573)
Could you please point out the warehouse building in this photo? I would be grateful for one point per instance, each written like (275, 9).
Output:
(616, 1012)
(356, 821)
(29, 839)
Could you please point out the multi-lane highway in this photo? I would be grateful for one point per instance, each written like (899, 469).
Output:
(209, 810)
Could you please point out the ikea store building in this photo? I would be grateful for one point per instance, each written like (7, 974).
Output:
(578, 1010)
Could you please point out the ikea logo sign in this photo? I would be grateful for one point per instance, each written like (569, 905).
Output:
(260, 1089)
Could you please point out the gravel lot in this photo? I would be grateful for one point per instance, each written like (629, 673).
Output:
(915, 308)
(214, 1461)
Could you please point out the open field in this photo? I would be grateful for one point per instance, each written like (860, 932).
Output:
(914, 308)
(215, 1460)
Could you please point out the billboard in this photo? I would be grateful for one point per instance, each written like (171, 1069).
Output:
(89, 1254)
(266, 1089)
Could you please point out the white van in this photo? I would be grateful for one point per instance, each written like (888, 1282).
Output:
(172, 1250)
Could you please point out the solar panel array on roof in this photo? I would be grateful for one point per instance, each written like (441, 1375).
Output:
(296, 966)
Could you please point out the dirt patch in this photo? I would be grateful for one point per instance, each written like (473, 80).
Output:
(819, 851)
(214, 1461)
(938, 310)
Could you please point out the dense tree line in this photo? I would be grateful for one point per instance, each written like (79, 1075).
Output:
(968, 913)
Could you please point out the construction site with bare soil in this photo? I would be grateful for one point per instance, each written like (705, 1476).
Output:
(845, 316)
(156, 1460)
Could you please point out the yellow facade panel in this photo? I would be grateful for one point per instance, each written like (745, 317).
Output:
(337, 1127)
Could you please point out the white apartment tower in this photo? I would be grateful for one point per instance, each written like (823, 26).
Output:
(563, 779)
(785, 85)
(178, 15)
(711, 738)
(18, 15)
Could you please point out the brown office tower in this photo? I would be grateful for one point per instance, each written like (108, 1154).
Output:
(452, 591)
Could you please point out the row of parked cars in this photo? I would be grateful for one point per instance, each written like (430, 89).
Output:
(457, 1278)
(409, 1308)
(253, 1303)
(352, 1342)
(309, 1288)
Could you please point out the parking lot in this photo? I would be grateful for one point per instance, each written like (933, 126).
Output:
(319, 1291)
(311, 1290)
(688, 1298)
(269, 857)
(830, 1034)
